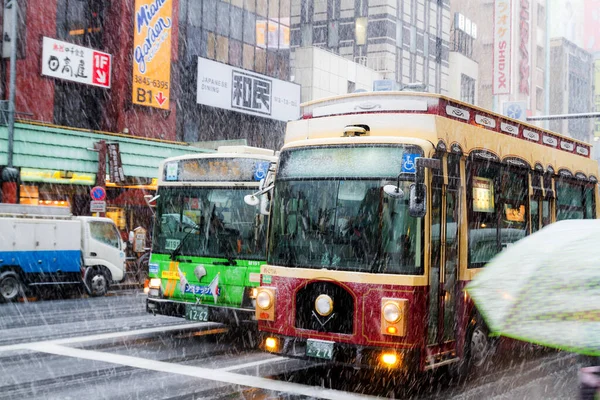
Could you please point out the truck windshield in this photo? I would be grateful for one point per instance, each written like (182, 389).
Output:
(215, 222)
(105, 232)
(344, 224)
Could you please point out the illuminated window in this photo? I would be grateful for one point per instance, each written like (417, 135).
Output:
(361, 31)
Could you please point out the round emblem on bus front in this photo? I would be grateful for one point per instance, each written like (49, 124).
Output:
(324, 305)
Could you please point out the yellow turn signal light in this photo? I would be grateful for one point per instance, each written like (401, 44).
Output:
(271, 343)
(392, 330)
(389, 359)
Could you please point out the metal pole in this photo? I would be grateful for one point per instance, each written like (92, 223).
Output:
(13, 83)
(547, 66)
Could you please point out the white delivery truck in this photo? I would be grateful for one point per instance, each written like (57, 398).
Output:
(42, 245)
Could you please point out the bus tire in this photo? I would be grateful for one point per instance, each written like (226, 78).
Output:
(11, 287)
(476, 353)
(97, 282)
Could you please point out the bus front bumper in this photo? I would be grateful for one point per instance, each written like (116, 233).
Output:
(225, 315)
(350, 355)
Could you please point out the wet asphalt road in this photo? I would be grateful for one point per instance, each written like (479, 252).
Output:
(109, 348)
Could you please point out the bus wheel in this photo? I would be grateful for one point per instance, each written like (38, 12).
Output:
(475, 354)
(480, 346)
(10, 286)
(97, 282)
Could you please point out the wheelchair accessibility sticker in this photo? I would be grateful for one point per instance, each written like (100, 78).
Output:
(408, 163)
(260, 170)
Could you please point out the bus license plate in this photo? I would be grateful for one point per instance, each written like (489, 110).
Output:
(319, 349)
(196, 313)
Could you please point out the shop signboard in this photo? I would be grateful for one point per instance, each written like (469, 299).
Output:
(502, 47)
(152, 53)
(230, 88)
(74, 63)
(115, 166)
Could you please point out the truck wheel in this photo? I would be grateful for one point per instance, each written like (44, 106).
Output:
(10, 286)
(97, 283)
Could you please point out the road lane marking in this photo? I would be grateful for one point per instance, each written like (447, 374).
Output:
(252, 364)
(113, 335)
(197, 372)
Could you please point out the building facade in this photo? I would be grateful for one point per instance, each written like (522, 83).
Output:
(405, 41)
(510, 50)
(253, 35)
(464, 69)
(572, 76)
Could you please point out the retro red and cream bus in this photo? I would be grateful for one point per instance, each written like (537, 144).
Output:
(385, 206)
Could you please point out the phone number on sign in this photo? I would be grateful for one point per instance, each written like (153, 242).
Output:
(151, 82)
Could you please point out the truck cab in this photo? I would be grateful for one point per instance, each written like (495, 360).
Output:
(44, 245)
(103, 253)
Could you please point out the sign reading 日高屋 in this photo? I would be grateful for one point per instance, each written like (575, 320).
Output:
(152, 53)
(230, 88)
(74, 63)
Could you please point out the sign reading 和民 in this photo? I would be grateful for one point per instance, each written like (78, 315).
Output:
(152, 53)
(230, 88)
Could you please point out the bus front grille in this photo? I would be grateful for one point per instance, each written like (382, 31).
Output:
(340, 320)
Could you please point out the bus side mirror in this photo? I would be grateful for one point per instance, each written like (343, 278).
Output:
(417, 203)
(418, 192)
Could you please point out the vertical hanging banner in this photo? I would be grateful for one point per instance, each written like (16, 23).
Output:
(502, 46)
(152, 53)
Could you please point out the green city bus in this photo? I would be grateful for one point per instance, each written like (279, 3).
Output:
(208, 245)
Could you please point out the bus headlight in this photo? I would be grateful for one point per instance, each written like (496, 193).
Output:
(391, 313)
(324, 305)
(264, 299)
(154, 283)
(394, 316)
(265, 304)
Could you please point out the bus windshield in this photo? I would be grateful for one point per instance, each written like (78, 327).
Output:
(208, 222)
(344, 224)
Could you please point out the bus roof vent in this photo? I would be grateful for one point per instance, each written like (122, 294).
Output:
(245, 150)
(356, 130)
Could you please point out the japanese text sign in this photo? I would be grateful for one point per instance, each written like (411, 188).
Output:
(502, 46)
(75, 63)
(115, 166)
(231, 88)
(152, 53)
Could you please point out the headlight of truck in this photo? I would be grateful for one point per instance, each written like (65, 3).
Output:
(154, 283)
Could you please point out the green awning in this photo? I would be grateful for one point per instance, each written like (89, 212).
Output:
(52, 148)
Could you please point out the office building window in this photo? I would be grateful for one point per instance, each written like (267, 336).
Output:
(81, 21)
(539, 99)
(360, 30)
(467, 89)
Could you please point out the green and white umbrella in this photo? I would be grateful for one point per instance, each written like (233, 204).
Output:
(545, 288)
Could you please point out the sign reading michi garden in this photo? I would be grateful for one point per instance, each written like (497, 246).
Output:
(152, 53)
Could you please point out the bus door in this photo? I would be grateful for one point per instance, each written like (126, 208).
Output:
(443, 276)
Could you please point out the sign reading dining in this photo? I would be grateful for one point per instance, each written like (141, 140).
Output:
(502, 47)
(152, 53)
(230, 88)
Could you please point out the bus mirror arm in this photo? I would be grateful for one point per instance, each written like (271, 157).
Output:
(418, 191)
(252, 199)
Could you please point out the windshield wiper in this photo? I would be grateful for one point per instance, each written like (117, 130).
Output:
(228, 255)
(177, 249)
